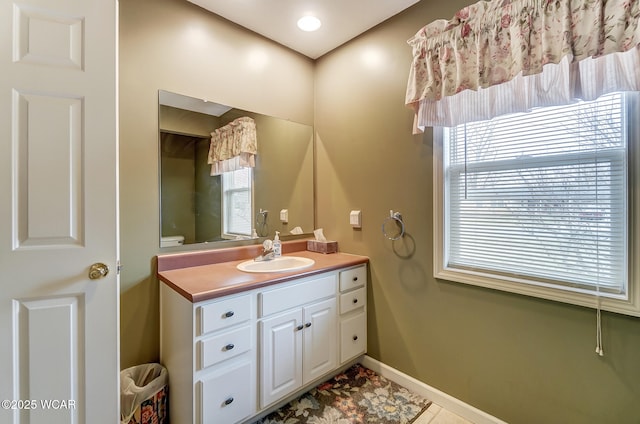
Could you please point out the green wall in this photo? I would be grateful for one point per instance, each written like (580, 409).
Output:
(521, 359)
(177, 162)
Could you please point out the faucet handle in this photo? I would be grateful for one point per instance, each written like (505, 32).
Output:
(267, 245)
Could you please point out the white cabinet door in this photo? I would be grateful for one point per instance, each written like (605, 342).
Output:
(320, 335)
(297, 347)
(58, 213)
(281, 357)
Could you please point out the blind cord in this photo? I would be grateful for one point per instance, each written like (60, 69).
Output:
(599, 349)
(465, 161)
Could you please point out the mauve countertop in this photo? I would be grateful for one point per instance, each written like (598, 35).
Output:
(221, 277)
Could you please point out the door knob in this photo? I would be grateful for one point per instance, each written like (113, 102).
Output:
(98, 270)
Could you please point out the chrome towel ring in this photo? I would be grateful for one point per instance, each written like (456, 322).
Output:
(398, 232)
(261, 223)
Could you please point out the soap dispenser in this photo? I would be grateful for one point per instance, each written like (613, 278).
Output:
(277, 245)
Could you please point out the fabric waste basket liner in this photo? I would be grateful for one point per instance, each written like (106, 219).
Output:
(144, 394)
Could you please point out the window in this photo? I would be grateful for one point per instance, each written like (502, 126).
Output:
(236, 203)
(539, 203)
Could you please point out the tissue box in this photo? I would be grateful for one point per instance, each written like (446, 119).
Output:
(322, 246)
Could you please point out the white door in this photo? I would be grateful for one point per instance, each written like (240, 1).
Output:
(280, 356)
(59, 329)
(320, 339)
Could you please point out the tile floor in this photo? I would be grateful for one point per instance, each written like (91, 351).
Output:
(436, 414)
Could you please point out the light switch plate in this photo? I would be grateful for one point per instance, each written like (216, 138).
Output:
(355, 219)
(284, 215)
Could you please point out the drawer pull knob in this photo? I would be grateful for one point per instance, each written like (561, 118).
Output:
(308, 325)
(229, 314)
(229, 346)
(355, 338)
(355, 300)
(300, 327)
(228, 401)
(355, 278)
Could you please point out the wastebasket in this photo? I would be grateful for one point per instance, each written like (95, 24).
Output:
(144, 394)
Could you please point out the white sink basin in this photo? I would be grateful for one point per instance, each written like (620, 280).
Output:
(281, 264)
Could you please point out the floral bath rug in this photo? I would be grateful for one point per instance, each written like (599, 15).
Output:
(357, 395)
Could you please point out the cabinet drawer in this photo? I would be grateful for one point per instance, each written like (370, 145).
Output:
(353, 300)
(353, 337)
(227, 397)
(224, 346)
(352, 278)
(225, 313)
(284, 298)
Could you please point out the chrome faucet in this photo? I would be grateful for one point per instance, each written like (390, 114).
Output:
(267, 252)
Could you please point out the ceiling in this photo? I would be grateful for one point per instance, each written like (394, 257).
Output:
(190, 103)
(342, 20)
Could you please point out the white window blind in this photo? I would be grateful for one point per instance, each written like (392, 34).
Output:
(541, 196)
(237, 209)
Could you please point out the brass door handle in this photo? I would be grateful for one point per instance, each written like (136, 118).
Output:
(98, 270)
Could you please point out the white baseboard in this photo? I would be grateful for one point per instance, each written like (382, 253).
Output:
(438, 397)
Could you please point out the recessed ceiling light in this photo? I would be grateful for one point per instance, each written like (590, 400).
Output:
(309, 23)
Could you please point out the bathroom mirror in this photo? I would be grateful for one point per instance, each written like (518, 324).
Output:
(196, 207)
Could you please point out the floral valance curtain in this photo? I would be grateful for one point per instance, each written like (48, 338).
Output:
(233, 146)
(501, 56)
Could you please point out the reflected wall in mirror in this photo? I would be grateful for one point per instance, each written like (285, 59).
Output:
(196, 207)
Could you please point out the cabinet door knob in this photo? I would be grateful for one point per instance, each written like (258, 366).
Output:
(229, 346)
(355, 278)
(228, 401)
(308, 325)
(355, 300)
(300, 327)
(229, 314)
(355, 338)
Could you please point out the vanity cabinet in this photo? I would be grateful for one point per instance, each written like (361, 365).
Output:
(225, 360)
(233, 357)
(209, 349)
(353, 313)
(298, 336)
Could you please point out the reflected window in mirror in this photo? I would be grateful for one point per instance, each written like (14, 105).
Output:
(236, 203)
